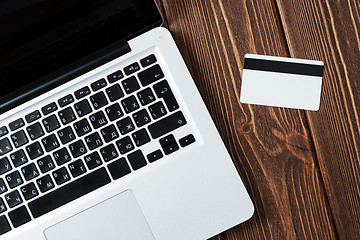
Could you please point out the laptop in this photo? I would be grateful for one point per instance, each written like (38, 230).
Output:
(103, 134)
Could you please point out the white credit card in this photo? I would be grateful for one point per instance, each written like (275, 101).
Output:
(282, 82)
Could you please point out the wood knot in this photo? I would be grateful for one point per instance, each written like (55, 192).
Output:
(247, 127)
(300, 146)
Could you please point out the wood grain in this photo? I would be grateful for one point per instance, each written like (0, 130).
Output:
(271, 147)
(329, 30)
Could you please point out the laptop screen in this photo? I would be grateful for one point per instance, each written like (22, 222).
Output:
(38, 37)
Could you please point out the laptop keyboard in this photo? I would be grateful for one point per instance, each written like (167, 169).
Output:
(85, 140)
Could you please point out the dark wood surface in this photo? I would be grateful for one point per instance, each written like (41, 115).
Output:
(301, 168)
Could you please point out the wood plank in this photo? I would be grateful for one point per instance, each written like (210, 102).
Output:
(271, 147)
(329, 30)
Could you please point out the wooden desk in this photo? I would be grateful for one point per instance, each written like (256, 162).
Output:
(301, 168)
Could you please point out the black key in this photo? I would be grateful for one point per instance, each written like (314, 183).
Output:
(14, 179)
(187, 140)
(148, 60)
(163, 90)
(98, 100)
(35, 131)
(13, 198)
(64, 101)
(82, 127)
(50, 142)
(18, 158)
(154, 156)
(82, 108)
(141, 118)
(141, 137)
(125, 145)
(134, 67)
(45, 164)
(137, 160)
(33, 116)
(82, 92)
(109, 153)
(109, 133)
(77, 168)
(114, 112)
(115, 76)
(30, 171)
(29, 191)
(67, 115)
(5, 165)
(3, 131)
(98, 84)
(130, 85)
(49, 108)
(93, 160)
(3, 187)
(61, 176)
(169, 144)
(157, 110)
(98, 119)
(16, 124)
(2, 208)
(114, 92)
(4, 225)
(167, 125)
(61, 156)
(119, 168)
(19, 216)
(45, 183)
(93, 141)
(19, 138)
(146, 96)
(34, 150)
(51, 123)
(150, 75)
(125, 125)
(69, 192)
(130, 104)
(66, 135)
(5, 146)
(77, 148)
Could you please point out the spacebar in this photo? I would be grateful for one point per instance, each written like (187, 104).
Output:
(69, 192)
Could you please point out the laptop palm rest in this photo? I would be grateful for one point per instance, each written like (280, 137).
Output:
(116, 218)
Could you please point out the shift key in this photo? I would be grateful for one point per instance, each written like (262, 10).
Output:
(167, 124)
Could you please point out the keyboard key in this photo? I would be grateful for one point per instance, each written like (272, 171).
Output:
(50, 143)
(109, 133)
(167, 125)
(18, 158)
(5, 146)
(134, 67)
(109, 153)
(98, 100)
(51, 123)
(19, 216)
(98, 84)
(141, 137)
(35, 131)
(29, 191)
(154, 156)
(64, 101)
(30, 171)
(77, 168)
(45, 164)
(93, 141)
(3, 187)
(130, 104)
(150, 75)
(4, 225)
(69, 192)
(82, 108)
(34, 150)
(157, 110)
(130, 85)
(67, 115)
(3, 131)
(148, 60)
(4, 165)
(77, 148)
(16, 124)
(49, 108)
(187, 140)
(163, 90)
(82, 127)
(13, 179)
(61, 156)
(93, 160)
(2, 208)
(114, 112)
(115, 76)
(19, 138)
(114, 92)
(125, 145)
(13, 198)
(61, 176)
(82, 92)
(98, 119)
(169, 144)
(119, 168)
(31, 117)
(45, 183)
(141, 118)
(146, 96)
(137, 160)
(125, 125)
(66, 135)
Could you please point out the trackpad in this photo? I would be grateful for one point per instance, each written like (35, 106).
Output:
(119, 217)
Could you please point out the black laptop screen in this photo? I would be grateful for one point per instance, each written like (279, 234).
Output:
(38, 37)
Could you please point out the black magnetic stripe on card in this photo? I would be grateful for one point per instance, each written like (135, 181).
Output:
(283, 67)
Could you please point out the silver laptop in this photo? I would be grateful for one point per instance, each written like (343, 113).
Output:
(103, 134)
